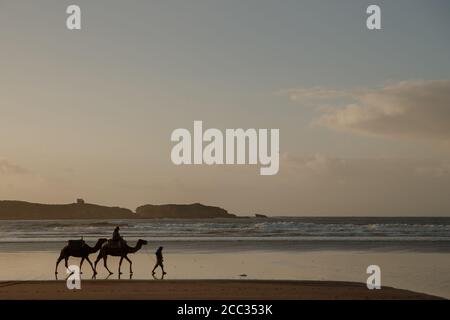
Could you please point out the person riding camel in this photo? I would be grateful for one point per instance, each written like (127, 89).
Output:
(116, 235)
(117, 238)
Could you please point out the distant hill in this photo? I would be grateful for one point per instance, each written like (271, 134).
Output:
(185, 211)
(21, 210)
(260, 215)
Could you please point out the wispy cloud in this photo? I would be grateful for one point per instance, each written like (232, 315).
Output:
(370, 186)
(407, 109)
(372, 169)
(7, 168)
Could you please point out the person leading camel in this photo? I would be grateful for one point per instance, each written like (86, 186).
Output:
(159, 261)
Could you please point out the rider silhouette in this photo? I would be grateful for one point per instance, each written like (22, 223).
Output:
(117, 239)
(116, 235)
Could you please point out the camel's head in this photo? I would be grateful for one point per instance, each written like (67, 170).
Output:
(142, 242)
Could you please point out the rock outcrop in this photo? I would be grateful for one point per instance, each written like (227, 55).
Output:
(21, 210)
(182, 211)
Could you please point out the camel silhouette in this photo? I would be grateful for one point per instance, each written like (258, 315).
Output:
(108, 250)
(77, 248)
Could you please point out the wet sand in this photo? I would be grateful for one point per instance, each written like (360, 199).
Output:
(202, 290)
(415, 271)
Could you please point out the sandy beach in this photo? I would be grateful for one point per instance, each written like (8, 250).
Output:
(405, 270)
(202, 290)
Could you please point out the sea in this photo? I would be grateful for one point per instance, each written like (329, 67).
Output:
(409, 233)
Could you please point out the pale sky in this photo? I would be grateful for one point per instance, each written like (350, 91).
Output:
(364, 116)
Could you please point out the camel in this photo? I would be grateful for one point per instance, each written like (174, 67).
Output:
(122, 252)
(79, 249)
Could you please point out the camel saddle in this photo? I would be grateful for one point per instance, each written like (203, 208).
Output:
(116, 244)
(76, 243)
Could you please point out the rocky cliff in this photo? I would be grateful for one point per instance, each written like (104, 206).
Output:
(182, 211)
(20, 210)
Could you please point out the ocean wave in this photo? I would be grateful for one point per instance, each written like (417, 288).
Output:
(274, 228)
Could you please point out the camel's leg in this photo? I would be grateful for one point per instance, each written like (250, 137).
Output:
(106, 266)
(66, 260)
(131, 270)
(57, 263)
(96, 261)
(120, 264)
(90, 263)
(81, 264)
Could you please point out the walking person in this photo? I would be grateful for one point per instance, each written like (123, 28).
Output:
(159, 261)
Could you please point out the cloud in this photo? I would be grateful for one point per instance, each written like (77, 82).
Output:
(320, 184)
(365, 168)
(408, 109)
(15, 177)
(8, 168)
(440, 170)
(314, 94)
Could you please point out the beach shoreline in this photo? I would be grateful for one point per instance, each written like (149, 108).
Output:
(406, 270)
(202, 290)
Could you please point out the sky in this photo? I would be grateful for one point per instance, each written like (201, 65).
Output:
(364, 116)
